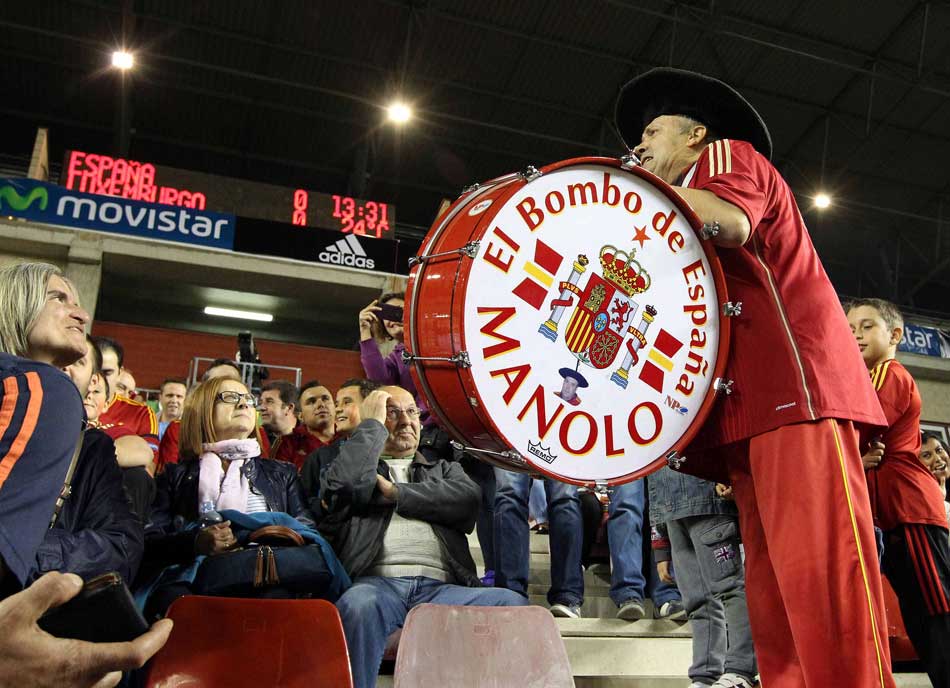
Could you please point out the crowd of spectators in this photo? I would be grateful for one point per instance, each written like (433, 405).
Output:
(363, 475)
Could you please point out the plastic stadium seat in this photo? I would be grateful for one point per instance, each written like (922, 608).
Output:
(901, 648)
(481, 647)
(248, 643)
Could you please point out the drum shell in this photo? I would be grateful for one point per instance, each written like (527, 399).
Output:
(435, 315)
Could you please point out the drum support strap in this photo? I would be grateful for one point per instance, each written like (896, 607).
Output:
(460, 359)
(510, 455)
(470, 249)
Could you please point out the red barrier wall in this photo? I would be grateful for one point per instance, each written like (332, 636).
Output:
(154, 354)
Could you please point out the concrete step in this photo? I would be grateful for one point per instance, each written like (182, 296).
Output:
(618, 628)
(902, 681)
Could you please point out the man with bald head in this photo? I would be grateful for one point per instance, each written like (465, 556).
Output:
(398, 521)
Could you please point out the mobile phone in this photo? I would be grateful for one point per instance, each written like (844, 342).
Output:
(102, 612)
(389, 312)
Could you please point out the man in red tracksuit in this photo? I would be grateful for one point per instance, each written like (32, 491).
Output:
(906, 500)
(800, 392)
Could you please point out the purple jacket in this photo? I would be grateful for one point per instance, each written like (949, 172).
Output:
(392, 371)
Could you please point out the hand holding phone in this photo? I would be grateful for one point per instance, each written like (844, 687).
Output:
(30, 655)
(102, 612)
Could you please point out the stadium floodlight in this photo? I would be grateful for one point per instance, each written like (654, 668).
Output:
(399, 112)
(242, 315)
(123, 59)
(822, 200)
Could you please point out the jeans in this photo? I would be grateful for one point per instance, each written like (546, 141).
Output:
(376, 606)
(628, 549)
(483, 474)
(538, 502)
(710, 577)
(512, 555)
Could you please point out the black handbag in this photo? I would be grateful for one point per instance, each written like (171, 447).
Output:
(277, 559)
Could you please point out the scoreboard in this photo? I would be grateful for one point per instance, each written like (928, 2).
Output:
(142, 181)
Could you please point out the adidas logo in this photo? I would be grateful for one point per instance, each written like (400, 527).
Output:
(347, 251)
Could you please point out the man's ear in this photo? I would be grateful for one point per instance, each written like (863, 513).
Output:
(697, 135)
(897, 333)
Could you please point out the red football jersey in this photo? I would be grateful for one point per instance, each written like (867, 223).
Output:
(902, 490)
(792, 356)
(127, 417)
(168, 449)
(296, 446)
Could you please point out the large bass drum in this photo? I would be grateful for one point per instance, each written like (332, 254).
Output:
(568, 321)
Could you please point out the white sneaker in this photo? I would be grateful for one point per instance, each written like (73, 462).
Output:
(566, 611)
(733, 680)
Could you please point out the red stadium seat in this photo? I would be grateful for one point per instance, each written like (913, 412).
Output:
(443, 645)
(248, 643)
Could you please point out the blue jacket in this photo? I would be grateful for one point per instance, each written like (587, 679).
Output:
(96, 531)
(675, 495)
(42, 416)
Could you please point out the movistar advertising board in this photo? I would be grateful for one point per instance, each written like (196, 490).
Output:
(926, 341)
(56, 205)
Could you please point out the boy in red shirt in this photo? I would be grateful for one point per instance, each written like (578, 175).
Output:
(905, 499)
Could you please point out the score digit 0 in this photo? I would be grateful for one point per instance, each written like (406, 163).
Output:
(300, 207)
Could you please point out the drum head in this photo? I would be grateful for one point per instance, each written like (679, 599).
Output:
(590, 315)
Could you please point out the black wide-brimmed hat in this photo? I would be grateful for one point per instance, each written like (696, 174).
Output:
(668, 91)
(567, 372)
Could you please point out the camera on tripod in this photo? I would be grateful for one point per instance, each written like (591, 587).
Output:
(247, 354)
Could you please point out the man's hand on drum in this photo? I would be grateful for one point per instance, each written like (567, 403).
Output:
(367, 318)
(874, 455)
(374, 406)
(663, 570)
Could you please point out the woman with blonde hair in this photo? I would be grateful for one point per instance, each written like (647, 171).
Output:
(221, 470)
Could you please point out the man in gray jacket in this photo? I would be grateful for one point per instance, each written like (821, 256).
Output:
(398, 522)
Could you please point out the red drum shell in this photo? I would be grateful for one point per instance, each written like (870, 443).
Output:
(436, 312)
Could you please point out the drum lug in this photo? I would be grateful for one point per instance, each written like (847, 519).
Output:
(470, 249)
(732, 308)
(708, 231)
(674, 460)
(470, 188)
(600, 489)
(629, 161)
(530, 173)
(461, 359)
(510, 455)
(723, 386)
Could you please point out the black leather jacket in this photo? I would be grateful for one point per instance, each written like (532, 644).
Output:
(176, 505)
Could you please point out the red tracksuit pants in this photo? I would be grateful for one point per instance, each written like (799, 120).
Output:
(813, 585)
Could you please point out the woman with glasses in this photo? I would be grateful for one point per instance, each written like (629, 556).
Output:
(221, 469)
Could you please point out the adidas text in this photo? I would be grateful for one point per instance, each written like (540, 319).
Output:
(348, 259)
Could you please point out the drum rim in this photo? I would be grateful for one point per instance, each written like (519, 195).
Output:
(467, 380)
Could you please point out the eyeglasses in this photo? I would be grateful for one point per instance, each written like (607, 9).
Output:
(393, 413)
(236, 398)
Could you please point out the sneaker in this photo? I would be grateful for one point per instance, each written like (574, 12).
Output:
(697, 684)
(733, 680)
(632, 610)
(672, 610)
(566, 611)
